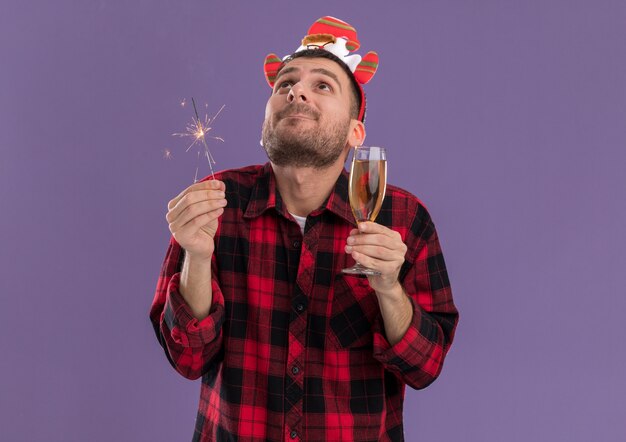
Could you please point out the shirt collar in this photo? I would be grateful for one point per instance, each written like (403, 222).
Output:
(265, 195)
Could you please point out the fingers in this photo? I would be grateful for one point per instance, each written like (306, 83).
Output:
(204, 185)
(198, 193)
(377, 235)
(199, 213)
(196, 207)
(388, 269)
(370, 227)
(380, 253)
(377, 247)
(201, 221)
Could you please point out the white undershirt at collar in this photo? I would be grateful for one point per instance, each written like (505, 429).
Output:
(301, 220)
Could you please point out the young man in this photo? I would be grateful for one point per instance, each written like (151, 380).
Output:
(251, 296)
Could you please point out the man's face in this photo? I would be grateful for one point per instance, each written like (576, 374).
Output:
(307, 118)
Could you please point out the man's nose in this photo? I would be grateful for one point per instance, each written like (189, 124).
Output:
(297, 93)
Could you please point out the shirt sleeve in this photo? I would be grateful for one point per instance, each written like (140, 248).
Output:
(417, 359)
(191, 346)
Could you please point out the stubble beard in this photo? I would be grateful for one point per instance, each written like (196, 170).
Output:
(315, 147)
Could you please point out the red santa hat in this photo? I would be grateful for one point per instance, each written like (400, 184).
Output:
(339, 38)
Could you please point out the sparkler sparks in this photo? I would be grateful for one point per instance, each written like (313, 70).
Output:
(167, 154)
(197, 130)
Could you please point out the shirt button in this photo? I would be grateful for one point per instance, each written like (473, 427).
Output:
(295, 369)
(296, 244)
(300, 307)
(293, 434)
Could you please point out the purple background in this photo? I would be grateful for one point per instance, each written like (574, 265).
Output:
(507, 118)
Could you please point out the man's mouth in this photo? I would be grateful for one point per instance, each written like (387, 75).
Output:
(298, 116)
(298, 111)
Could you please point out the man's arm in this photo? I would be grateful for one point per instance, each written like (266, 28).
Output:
(193, 221)
(195, 286)
(397, 312)
(418, 315)
(380, 248)
(188, 308)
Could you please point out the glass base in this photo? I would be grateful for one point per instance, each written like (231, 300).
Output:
(358, 269)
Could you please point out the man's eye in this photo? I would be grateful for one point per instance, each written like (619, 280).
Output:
(325, 87)
(285, 85)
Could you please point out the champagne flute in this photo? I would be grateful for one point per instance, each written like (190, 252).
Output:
(368, 181)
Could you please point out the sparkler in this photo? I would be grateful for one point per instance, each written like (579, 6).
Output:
(198, 130)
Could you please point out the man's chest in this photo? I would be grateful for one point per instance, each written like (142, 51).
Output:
(283, 288)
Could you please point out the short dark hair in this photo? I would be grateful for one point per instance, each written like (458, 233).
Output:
(355, 103)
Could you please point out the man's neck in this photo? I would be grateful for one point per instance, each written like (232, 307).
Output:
(305, 189)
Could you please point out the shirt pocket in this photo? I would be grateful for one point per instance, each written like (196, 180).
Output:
(353, 312)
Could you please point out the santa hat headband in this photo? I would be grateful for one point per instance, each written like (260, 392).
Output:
(340, 39)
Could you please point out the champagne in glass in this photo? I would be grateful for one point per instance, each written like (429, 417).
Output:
(368, 181)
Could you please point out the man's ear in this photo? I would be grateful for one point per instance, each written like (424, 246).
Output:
(356, 136)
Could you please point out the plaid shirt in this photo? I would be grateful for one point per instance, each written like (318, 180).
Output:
(292, 348)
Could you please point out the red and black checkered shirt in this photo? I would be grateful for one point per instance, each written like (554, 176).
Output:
(292, 348)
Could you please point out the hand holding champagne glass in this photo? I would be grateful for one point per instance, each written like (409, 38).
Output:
(368, 181)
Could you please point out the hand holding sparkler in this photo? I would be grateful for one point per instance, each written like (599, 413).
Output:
(193, 217)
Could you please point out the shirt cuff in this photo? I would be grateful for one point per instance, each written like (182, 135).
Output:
(413, 352)
(185, 329)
